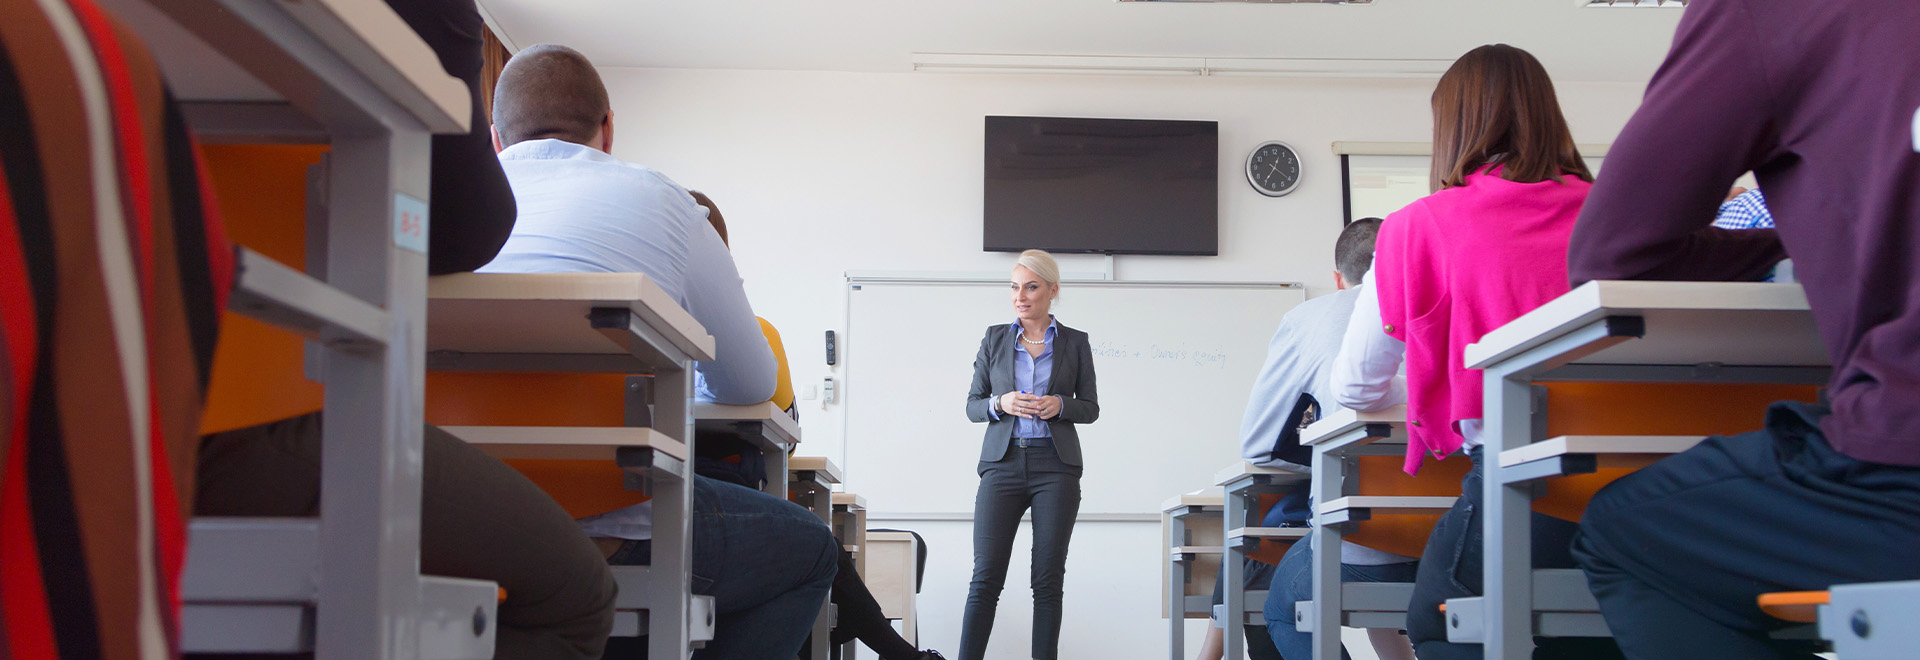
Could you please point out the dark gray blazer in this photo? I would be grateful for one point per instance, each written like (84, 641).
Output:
(1072, 379)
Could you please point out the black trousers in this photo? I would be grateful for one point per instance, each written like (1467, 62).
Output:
(1452, 565)
(1678, 552)
(1031, 478)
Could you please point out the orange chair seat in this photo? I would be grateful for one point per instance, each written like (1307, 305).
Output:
(1795, 606)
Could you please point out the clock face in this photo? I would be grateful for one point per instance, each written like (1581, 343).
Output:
(1273, 169)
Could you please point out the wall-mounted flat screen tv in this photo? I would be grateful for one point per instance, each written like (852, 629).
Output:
(1112, 186)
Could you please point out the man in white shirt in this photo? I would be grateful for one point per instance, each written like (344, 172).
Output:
(1291, 391)
(767, 563)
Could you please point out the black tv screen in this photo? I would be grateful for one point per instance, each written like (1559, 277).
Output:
(1114, 186)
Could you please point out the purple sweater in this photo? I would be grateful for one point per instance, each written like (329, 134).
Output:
(1819, 98)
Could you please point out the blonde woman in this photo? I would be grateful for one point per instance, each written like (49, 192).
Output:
(1032, 385)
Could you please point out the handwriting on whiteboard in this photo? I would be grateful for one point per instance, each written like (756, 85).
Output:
(1201, 357)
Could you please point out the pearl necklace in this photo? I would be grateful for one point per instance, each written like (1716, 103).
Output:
(1025, 340)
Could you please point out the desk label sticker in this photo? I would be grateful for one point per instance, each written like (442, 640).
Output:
(409, 223)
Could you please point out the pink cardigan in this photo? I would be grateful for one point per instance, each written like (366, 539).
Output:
(1454, 266)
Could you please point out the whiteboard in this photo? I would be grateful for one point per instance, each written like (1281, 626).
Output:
(1174, 363)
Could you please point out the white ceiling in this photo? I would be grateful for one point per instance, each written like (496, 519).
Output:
(1611, 45)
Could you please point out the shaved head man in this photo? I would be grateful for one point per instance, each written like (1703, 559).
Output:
(551, 91)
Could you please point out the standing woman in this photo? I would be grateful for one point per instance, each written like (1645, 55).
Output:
(1032, 384)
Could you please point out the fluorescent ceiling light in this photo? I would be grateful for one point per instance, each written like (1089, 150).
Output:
(1633, 3)
(1272, 2)
(1179, 66)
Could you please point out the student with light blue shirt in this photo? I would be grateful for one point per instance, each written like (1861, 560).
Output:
(767, 563)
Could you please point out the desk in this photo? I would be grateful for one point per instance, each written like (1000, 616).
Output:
(1338, 442)
(1618, 332)
(812, 479)
(772, 431)
(598, 323)
(893, 575)
(850, 526)
(1193, 543)
(351, 73)
(1242, 485)
(850, 529)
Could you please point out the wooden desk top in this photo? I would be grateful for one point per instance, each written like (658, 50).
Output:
(783, 427)
(546, 313)
(821, 468)
(1345, 420)
(1687, 323)
(565, 443)
(1243, 468)
(850, 500)
(1207, 499)
(211, 52)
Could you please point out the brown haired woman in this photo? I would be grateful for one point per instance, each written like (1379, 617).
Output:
(1488, 245)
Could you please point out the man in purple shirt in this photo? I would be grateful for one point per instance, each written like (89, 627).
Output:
(1828, 91)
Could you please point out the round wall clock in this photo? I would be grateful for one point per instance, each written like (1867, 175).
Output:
(1273, 169)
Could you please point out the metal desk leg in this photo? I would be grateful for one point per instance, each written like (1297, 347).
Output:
(1329, 481)
(777, 475)
(369, 603)
(1178, 572)
(1233, 570)
(1507, 587)
(668, 615)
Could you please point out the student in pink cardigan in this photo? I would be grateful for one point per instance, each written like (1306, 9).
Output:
(1488, 245)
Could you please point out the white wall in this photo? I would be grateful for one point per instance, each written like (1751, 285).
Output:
(819, 173)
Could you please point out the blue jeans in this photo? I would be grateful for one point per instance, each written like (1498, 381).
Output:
(767, 563)
(1678, 552)
(1293, 582)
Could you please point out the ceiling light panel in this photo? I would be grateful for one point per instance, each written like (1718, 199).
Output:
(1269, 2)
(1633, 3)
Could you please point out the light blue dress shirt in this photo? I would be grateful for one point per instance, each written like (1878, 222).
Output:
(584, 211)
(1032, 375)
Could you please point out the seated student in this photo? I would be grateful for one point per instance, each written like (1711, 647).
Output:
(479, 519)
(102, 370)
(1678, 552)
(582, 210)
(1744, 209)
(860, 616)
(1291, 392)
(1487, 246)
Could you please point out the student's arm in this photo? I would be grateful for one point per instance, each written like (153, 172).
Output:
(1364, 373)
(742, 371)
(471, 212)
(980, 398)
(1084, 406)
(1706, 119)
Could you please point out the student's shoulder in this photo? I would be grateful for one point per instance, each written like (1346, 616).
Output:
(1326, 305)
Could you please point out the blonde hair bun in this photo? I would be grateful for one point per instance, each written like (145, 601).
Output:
(1042, 264)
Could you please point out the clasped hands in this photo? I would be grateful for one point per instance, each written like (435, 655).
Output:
(1030, 406)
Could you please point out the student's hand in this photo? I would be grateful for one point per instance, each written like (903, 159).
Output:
(1010, 403)
(1048, 407)
(1736, 192)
